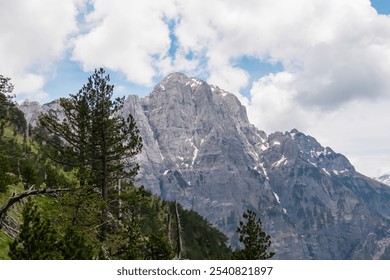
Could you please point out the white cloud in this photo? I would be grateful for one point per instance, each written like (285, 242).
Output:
(335, 54)
(335, 50)
(130, 36)
(272, 106)
(30, 85)
(33, 35)
(359, 130)
(317, 41)
(232, 78)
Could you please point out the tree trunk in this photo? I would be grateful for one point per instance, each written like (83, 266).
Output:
(169, 229)
(119, 199)
(178, 234)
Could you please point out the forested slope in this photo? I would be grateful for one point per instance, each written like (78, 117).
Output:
(50, 210)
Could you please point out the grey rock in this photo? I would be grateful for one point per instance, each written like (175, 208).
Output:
(332, 206)
(33, 109)
(385, 179)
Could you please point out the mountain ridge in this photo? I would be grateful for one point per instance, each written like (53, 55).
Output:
(201, 150)
(385, 179)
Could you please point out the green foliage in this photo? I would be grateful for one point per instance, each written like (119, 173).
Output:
(97, 141)
(157, 248)
(5, 86)
(140, 234)
(4, 246)
(5, 101)
(37, 239)
(6, 177)
(18, 162)
(11, 119)
(73, 246)
(11, 155)
(95, 136)
(9, 113)
(256, 241)
(40, 240)
(102, 215)
(142, 217)
(139, 245)
(201, 240)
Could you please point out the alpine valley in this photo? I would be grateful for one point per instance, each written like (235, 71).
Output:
(200, 150)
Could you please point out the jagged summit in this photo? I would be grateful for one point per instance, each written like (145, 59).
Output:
(176, 79)
(294, 131)
(295, 147)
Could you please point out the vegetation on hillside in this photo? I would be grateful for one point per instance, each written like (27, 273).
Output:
(256, 242)
(67, 188)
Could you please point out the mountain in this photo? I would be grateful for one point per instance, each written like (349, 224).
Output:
(385, 179)
(24, 164)
(201, 150)
(33, 109)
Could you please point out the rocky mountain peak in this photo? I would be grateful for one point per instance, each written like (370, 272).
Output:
(294, 147)
(31, 110)
(177, 80)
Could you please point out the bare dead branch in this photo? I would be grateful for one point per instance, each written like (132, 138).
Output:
(18, 197)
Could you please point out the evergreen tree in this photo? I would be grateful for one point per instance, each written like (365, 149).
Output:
(39, 239)
(114, 140)
(97, 140)
(137, 245)
(6, 102)
(73, 245)
(201, 240)
(6, 89)
(157, 248)
(5, 86)
(8, 110)
(256, 241)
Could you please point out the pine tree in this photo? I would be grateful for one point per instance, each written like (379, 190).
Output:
(97, 140)
(157, 248)
(5, 86)
(113, 140)
(10, 117)
(6, 89)
(6, 102)
(256, 241)
(37, 239)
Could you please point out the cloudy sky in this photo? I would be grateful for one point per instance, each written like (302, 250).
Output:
(321, 66)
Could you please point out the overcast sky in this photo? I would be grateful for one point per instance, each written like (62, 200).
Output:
(321, 66)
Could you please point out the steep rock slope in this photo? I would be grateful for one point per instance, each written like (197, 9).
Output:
(202, 151)
(341, 213)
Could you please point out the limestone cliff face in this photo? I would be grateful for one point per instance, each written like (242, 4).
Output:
(340, 213)
(201, 150)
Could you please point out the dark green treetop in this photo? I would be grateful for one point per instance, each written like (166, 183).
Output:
(256, 241)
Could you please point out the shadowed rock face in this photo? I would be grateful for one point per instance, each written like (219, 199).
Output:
(201, 150)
